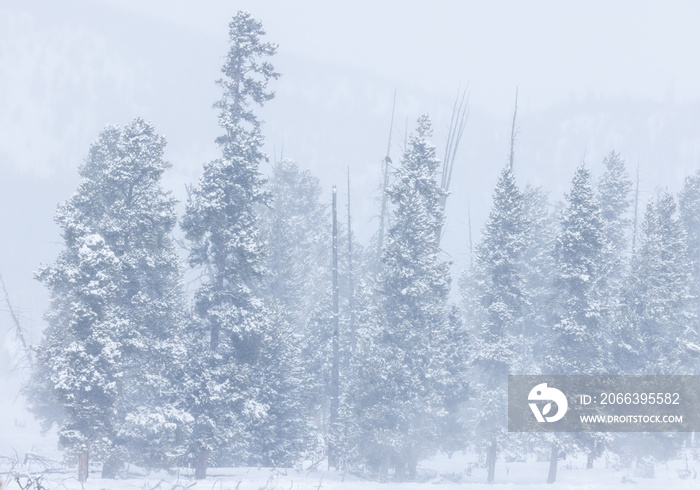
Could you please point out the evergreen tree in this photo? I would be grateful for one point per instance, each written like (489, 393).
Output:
(614, 189)
(689, 215)
(234, 400)
(500, 346)
(295, 228)
(115, 319)
(658, 294)
(455, 386)
(614, 199)
(576, 342)
(285, 432)
(397, 401)
(657, 333)
(577, 336)
(75, 383)
(537, 269)
(316, 339)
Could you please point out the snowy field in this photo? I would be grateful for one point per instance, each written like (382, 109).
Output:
(24, 451)
(440, 472)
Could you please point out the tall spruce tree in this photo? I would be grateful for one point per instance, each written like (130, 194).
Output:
(613, 195)
(232, 397)
(576, 337)
(115, 320)
(397, 401)
(658, 294)
(576, 341)
(613, 192)
(537, 269)
(314, 278)
(295, 230)
(689, 214)
(658, 318)
(500, 345)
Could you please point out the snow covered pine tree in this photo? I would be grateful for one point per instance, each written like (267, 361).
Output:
(537, 265)
(397, 400)
(658, 296)
(576, 339)
(658, 318)
(115, 315)
(500, 347)
(241, 389)
(689, 213)
(295, 228)
(614, 189)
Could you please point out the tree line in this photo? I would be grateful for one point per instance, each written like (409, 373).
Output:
(300, 343)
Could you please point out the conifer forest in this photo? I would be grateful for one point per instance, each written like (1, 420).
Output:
(247, 323)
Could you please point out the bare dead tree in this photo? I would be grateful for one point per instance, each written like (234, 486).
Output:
(335, 375)
(83, 465)
(458, 122)
(636, 206)
(19, 331)
(405, 136)
(385, 184)
(351, 272)
(513, 131)
(553, 459)
(469, 225)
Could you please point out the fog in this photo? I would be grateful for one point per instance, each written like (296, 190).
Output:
(591, 77)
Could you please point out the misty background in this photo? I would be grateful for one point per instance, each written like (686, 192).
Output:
(592, 77)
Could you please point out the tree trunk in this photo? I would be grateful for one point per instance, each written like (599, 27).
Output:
(491, 462)
(335, 376)
(214, 341)
(553, 459)
(385, 185)
(513, 132)
(400, 471)
(110, 467)
(200, 465)
(412, 466)
(589, 461)
(645, 468)
(384, 467)
(83, 467)
(19, 332)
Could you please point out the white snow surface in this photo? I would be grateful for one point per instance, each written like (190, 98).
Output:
(438, 473)
(25, 452)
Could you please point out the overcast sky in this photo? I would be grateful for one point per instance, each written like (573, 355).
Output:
(551, 49)
(592, 76)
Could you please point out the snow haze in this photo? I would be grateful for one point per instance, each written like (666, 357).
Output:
(591, 76)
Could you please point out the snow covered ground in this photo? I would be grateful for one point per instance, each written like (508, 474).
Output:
(34, 454)
(23, 451)
(439, 472)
